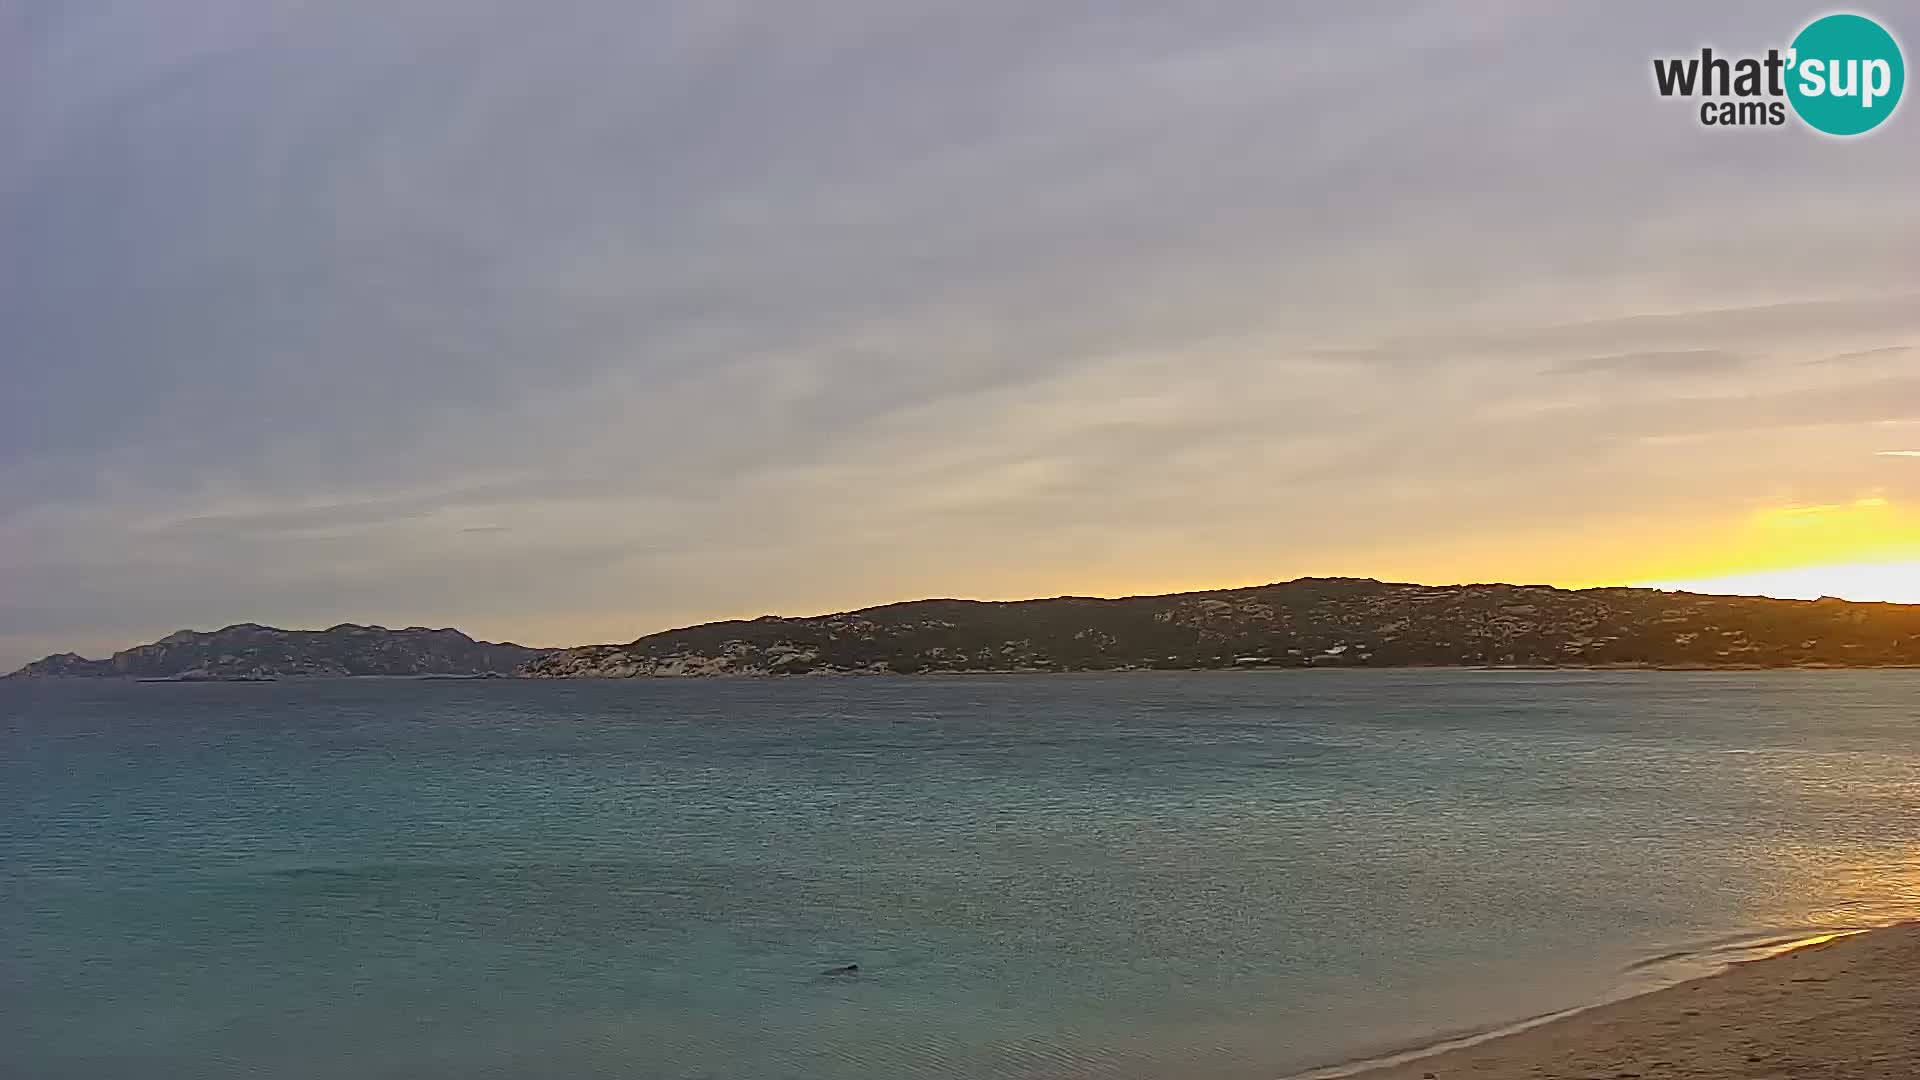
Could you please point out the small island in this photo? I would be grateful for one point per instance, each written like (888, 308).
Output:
(250, 652)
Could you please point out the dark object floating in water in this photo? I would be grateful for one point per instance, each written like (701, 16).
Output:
(850, 969)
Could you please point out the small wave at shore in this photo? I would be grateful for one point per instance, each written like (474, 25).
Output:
(1651, 974)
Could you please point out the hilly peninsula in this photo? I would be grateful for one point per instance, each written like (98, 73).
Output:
(1311, 622)
(252, 651)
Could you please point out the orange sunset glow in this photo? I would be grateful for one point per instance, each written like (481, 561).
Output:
(1867, 549)
(975, 540)
(550, 366)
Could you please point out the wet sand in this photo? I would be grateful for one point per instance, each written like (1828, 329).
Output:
(1845, 1009)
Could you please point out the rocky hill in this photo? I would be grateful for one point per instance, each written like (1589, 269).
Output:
(248, 650)
(1313, 622)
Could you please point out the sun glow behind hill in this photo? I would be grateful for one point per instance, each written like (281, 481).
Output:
(1893, 582)
(1867, 549)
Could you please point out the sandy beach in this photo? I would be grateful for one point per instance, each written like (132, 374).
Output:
(1844, 1009)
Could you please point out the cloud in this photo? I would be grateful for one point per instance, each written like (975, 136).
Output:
(1858, 355)
(1670, 362)
(1899, 453)
(466, 313)
(1701, 332)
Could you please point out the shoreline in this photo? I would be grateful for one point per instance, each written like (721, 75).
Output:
(1732, 669)
(1836, 1004)
(1273, 669)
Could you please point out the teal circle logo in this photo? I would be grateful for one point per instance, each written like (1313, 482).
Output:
(1845, 74)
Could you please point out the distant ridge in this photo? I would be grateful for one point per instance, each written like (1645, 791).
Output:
(252, 651)
(1310, 622)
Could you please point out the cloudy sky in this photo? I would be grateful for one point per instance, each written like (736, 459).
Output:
(570, 321)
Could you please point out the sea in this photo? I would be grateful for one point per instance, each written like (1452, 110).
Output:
(1117, 876)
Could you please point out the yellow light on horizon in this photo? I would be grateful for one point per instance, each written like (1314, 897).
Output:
(1865, 549)
(1891, 582)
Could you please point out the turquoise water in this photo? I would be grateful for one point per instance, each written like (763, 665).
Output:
(1117, 876)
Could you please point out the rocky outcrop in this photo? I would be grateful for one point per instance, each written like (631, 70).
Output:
(1312, 622)
(249, 650)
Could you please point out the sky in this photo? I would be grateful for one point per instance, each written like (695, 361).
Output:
(572, 321)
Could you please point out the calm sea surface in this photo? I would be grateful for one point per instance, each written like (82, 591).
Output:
(1123, 876)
